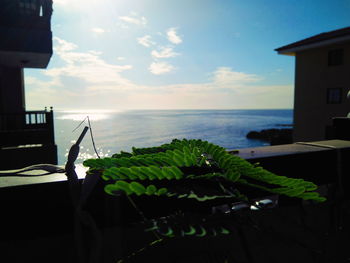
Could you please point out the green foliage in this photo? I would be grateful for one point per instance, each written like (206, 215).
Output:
(186, 163)
(181, 225)
(193, 170)
(133, 188)
(190, 230)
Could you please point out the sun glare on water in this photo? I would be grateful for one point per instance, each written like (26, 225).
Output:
(80, 115)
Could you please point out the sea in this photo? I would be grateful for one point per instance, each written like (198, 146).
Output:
(115, 131)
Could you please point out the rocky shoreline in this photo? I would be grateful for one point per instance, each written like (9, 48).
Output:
(273, 136)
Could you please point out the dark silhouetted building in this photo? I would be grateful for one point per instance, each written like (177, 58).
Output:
(26, 137)
(322, 81)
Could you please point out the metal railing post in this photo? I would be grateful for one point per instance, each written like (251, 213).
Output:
(49, 122)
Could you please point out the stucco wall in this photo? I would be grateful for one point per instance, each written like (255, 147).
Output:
(313, 77)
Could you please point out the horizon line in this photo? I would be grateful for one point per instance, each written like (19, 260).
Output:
(150, 109)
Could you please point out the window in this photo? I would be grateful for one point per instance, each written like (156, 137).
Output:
(335, 57)
(334, 96)
(28, 7)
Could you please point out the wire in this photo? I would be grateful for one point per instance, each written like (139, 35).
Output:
(80, 124)
(92, 138)
(49, 168)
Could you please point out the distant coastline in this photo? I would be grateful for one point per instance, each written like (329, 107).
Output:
(273, 136)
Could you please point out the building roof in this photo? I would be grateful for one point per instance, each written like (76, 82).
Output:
(320, 40)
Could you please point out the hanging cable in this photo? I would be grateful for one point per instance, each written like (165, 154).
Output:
(92, 137)
(91, 134)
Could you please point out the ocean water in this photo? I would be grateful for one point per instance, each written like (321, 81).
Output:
(116, 131)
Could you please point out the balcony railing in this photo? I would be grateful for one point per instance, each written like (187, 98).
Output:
(30, 127)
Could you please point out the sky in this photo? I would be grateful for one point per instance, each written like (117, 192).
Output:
(183, 54)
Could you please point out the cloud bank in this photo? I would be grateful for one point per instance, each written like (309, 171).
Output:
(86, 81)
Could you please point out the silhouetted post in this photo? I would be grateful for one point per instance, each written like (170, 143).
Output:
(50, 124)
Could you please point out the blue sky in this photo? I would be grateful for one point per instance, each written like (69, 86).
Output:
(184, 54)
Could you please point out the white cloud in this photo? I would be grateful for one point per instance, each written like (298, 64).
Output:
(134, 19)
(145, 41)
(63, 46)
(165, 52)
(87, 66)
(199, 96)
(120, 58)
(48, 93)
(98, 30)
(29, 80)
(226, 77)
(173, 37)
(158, 68)
(85, 80)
